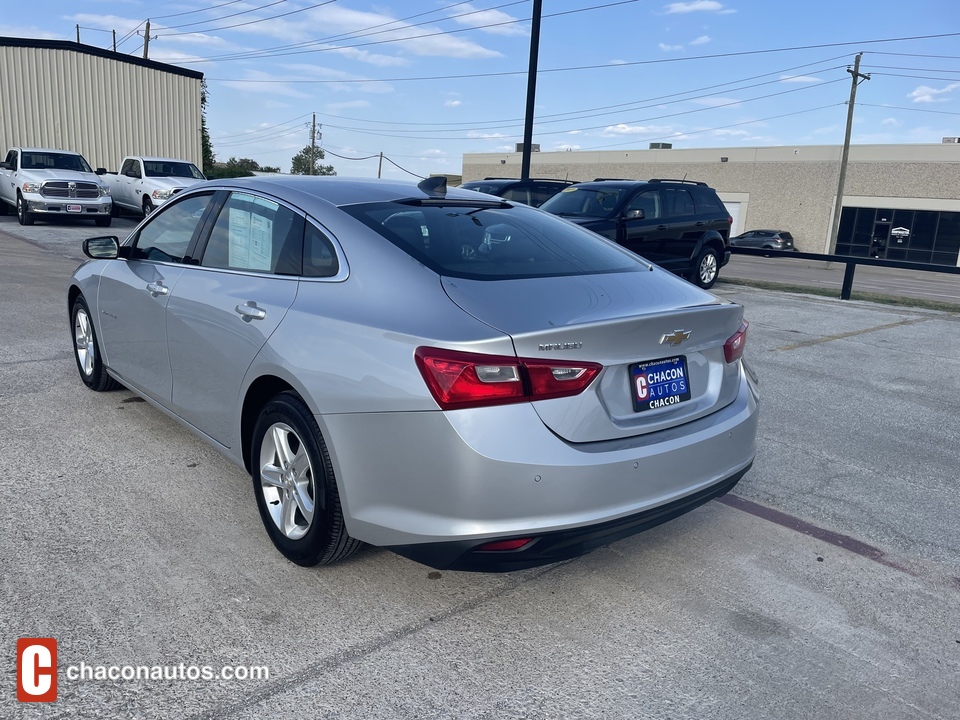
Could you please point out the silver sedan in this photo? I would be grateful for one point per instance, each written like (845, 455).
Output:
(471, 383)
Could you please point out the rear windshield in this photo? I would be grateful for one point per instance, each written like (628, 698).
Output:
(584, 201)
(786, 235)
(493, 243)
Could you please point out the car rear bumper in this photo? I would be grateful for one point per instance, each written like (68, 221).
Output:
(435, 485)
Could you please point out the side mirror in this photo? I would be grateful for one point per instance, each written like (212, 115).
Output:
(101, 171)
(102, 248)
(5, 165)
(634, 215)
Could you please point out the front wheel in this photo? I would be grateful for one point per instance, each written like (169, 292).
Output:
(86, 350)
(103, 221)
(24, 216)
(295, 486)
(706, 268)
(147, 206)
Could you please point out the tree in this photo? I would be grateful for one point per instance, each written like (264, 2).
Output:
(309, 157)
(206, 147)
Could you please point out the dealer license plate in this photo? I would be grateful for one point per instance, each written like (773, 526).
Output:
(74, 208)
(660, 383)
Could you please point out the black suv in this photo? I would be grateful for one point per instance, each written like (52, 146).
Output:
(680, 225)
(533, 191)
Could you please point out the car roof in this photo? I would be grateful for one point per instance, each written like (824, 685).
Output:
(56, 150)
(157, 159)
(343, 190)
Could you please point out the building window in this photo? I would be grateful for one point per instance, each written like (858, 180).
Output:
(922, 236)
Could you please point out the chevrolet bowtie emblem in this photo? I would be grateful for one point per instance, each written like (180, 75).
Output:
(675, 338)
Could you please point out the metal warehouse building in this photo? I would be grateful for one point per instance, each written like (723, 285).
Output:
(102, 104)
(901, 199)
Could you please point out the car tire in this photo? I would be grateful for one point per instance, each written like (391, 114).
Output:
(103, 221)
(114, 210)
(86, 349)
(706, 268)
(295, 486)
(3, 208)
(24, 216)
(147, 206)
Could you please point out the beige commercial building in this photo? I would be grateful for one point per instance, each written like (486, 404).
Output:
(901, 202)
(102, 104)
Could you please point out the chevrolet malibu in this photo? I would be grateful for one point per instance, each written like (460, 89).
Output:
(470, 383)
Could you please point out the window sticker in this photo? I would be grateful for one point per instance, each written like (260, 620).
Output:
(251, 236)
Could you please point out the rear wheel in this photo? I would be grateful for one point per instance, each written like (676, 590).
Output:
(3, 208)
(24, 216)
(295, 486)
(86, 350)
(706, 268)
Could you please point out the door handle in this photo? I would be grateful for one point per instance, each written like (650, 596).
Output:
(157, 288)
(699, 224)
(661, 227)
(249, 311)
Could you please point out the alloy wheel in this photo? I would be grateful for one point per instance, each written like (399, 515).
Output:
(287, 481)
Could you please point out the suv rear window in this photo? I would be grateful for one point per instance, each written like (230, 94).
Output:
(493, 243)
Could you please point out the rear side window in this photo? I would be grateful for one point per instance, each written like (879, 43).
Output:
(708, 201)
(255, 233)
(492, 243)
(319, 257)
(678, 201)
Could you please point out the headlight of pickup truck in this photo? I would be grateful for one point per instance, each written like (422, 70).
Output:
(104, 191)
(162, 194)
(31, 187)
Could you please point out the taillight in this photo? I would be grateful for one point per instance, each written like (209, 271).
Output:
(504, 545)
(730, 220)
(459, 379)
(733, 347)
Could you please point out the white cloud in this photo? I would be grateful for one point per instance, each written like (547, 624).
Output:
(348, 105)
(453, 103)
(469, 16)
(799, 79)
(670, 48)
(702, 40)
(477, 135)
(377, 59)
(261, 83)
(891, 122)
(624, 129)
(354, 82)
(24, 31)
(929, 94)
(564, 147)
(696, 6)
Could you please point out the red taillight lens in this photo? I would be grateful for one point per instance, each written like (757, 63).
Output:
(459, 380)
(733, 347)
(730, 220)
(502, 545)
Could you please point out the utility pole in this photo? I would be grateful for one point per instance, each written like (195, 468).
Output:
(380, 166)
(114, 40)
(78, 33)
(313, 144)
(146, 41)
(857, 77)
(531, 90)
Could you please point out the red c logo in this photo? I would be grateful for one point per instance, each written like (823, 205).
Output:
(36, 669)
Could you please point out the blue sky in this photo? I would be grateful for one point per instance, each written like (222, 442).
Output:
(424, 82)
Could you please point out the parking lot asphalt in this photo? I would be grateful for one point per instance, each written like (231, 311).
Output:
(826, 585)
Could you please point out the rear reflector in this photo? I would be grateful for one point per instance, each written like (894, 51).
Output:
(460, 380)
(501, 545)
(733, 347)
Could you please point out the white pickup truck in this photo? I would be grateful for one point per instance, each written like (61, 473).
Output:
(52, 183)
(145, 183)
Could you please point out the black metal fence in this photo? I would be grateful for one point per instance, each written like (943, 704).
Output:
(850, 262)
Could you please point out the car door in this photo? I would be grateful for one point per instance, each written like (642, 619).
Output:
(225, 308)
(749, 240)
(8, 178)
(645, 234)
(133, 296)
(683, 228)
(129, 182)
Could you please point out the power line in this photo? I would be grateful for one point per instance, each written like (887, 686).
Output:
(659, 61)
(910, 109)
(895, 67)
(251, 22)
(263, 129)
(402, 168)
(918, 77)
(224, 17)
(413, 37)
(193, 12)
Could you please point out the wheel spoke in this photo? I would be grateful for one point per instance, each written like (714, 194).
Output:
(281, 443)
(288, 514)
(271, 476)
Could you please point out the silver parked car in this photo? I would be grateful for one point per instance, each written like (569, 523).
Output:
(470, 383)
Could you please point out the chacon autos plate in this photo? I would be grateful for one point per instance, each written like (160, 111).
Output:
(659, 383)
(74, 208)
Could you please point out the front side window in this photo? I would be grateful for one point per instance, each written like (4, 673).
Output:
(584, 202)
(492, 243)
(255, 233)
(167, 235)
(649, 202)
